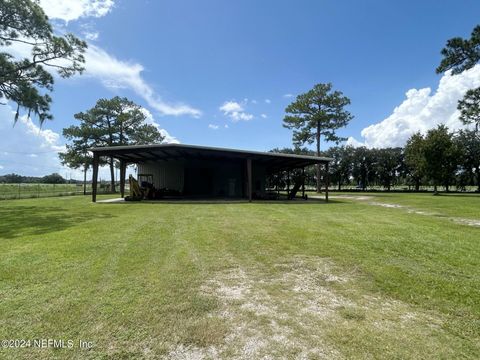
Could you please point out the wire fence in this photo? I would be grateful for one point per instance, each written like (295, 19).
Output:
(404, 188)
(29, 190)
(379, 188)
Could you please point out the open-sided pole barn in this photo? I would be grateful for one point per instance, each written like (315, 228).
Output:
(205, 172)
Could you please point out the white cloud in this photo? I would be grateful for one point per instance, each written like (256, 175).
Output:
(116, 73)
(1, 167)
(231, 106)
(288, 96)
(69, 10)
(213, 127)
(235, 111)
(149, 119)
(268, 101)
(241, 116)
(38, 153)
(226, 126)
(167, 138)
(422, 110)
(254, 101)
(264, 116)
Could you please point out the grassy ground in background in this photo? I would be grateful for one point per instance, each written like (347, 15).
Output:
(27, 190)
(300, 279)
(458, 204)
(37, 190)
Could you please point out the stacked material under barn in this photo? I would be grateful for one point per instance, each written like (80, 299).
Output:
(166, 174)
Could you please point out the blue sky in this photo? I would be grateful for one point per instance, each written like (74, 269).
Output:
(185, 60)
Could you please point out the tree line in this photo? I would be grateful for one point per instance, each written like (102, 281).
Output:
(54, 178)
(438, 158)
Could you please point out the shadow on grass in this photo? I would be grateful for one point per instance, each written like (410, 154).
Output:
(298, 201)
(464, 195)
(38, 220)
(380, 194)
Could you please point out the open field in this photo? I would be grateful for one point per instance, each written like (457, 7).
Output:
(366, 276)
(31, 190)
(23, 191)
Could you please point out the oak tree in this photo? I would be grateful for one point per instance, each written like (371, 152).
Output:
(441, 157)
(415, 159)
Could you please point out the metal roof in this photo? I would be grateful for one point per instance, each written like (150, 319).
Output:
(166, 152)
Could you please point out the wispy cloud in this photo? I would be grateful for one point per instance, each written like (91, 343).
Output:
(115, 73)
(119, 74)
(264, 116)
(287, 96)
(213, 127)
(69, 10)
(91, 35)
(268, 101)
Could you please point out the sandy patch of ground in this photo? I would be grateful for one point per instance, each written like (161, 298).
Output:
(114, 200)
(287, 312)
(394, 206)
(410, 210)
(353, 197)
(469, 222)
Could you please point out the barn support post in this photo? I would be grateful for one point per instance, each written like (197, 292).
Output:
(123, 170)
(249, 180)
(279, 177)
(95, 176)
(327, 180)
(276, 182)
(288, 184)
(303, 182)
(85, 168)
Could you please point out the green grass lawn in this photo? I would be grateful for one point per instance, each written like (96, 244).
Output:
(348, 279)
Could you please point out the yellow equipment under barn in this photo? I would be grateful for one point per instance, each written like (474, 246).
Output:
(136, 193)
